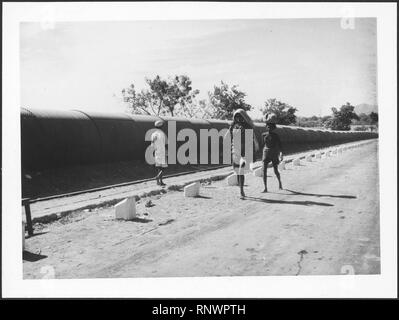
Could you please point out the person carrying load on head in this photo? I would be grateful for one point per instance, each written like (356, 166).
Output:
(158, 141)
(272, 149)
(241, 161)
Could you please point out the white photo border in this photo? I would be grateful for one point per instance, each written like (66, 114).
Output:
(345, 286)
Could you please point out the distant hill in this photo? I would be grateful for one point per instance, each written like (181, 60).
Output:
(366, 108)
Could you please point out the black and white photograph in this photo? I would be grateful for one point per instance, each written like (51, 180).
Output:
(199, 142)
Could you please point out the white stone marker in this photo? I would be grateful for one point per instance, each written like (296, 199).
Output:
(340, 150)
(23, 235)
(232, 180)
(281, 165)
(335, 151)
(192, 190)
(126, 209)
(318, 155)
(258, 172)
(309, 158)
(296, 162)
(328, 153)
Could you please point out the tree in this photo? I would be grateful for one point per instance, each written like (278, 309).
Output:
(196, 109)
(163, 97)
(364, 119)
(224, 100)
(325, 121)
(180, 94)
(309, 122)
(285, 113)
(342, 118)
(373, 117)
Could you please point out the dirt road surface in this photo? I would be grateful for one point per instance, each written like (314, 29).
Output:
(324, 222)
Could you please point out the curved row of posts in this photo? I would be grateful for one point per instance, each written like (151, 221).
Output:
(126, 209)
(296, 161)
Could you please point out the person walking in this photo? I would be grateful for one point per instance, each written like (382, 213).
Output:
(158, 141)
(272, 150)
(241, 122)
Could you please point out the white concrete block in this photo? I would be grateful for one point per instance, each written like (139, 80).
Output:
(328, 153)
(318, 155)
(23, 235)
(309, 158)
(258, 172)
(296, 162)
(281, 165)
(126, 209)
(192, 190)
(232, 180)
(339, 150)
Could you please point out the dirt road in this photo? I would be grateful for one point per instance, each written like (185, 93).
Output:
(325, 222)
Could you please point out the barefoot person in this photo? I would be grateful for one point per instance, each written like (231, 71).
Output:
(241, 122)
(272, 150)
(158, 141)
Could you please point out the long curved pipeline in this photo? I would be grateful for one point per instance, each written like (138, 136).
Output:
(57, 139)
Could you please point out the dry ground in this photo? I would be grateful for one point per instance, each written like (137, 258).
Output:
(325, 220)
(55, 181)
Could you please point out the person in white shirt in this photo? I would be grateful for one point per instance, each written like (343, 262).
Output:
(158, 141)
(241, 122)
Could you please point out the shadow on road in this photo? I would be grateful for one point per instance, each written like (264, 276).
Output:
(141, 220)
(174, 187)
(302, 203)
(320, 195)
(36, 234)
(166, 222)
(32, 257)
(202, 197)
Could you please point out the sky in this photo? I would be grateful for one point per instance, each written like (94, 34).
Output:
(311, 64)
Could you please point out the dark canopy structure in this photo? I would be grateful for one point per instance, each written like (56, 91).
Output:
(56, 139)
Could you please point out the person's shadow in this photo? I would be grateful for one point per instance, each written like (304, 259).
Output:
(141, 220)
(302, 203)
(202, 197)
(36, 234)
(32, 257)
(320, 195)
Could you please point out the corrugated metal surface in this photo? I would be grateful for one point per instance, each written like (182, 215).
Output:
(32, 147)
(118, 135)
(58, 138)
(51, 139)
(142, 124)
